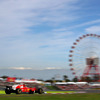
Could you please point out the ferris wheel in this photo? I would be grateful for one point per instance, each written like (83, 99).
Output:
(84, 56)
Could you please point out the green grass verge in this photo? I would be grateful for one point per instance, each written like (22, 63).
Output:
(85, 96)
(52, 88)
(60, 91)
(2, 92)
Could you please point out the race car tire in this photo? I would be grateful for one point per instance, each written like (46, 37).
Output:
(7, 91)
(18, 91)
(40, 91)
(31, 92)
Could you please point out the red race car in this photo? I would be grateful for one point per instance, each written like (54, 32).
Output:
(18, 89)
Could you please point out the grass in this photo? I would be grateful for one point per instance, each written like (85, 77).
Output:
(84, 96)
(51, 96)
(60, 91)
(52, 87)
(2, 92)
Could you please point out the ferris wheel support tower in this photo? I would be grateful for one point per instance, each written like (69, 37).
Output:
(92, 68)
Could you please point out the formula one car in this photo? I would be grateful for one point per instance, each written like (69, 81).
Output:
(18, 89)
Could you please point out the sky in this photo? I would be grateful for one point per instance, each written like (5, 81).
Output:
(38, 34)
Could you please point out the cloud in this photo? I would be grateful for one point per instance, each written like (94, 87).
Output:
(29, 68)
(22, 45)
(17, 16)
(20, 68)
(50, 68)
(84, 24)
(93, 29)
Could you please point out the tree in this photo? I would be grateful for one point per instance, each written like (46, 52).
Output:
(96, 77)
(4, 77)
(49, 81)
(75, 79)
(86, 79)
(65, 77)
